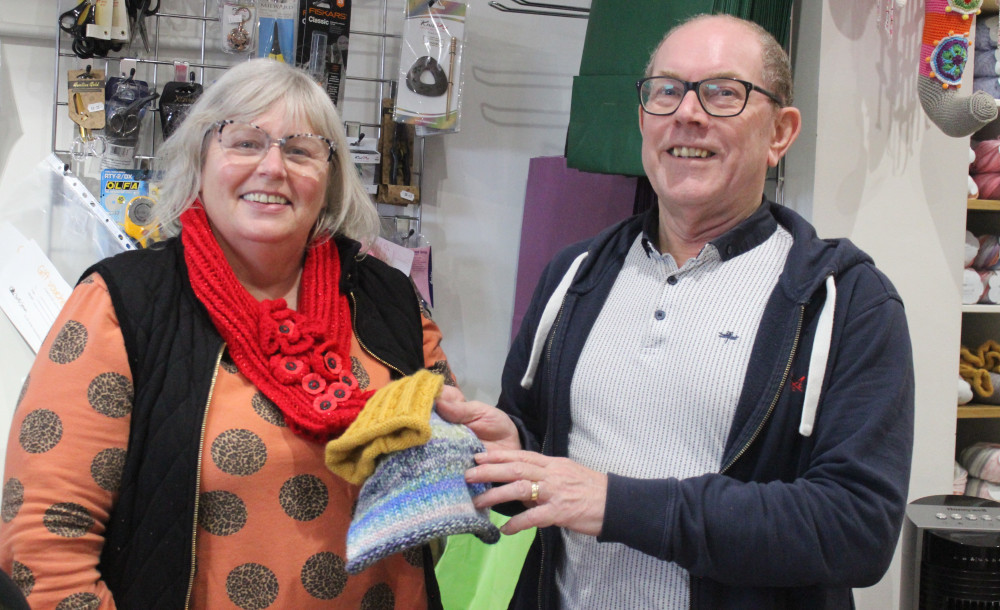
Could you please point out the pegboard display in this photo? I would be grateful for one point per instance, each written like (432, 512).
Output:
(195, 39)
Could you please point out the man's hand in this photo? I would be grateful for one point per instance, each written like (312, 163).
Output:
(490, 424)
(568, 494)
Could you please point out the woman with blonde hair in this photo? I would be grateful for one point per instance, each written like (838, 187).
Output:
(167, 449)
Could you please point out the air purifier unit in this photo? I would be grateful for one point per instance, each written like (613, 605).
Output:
(951, 554)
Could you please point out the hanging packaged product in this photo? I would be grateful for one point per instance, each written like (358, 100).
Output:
(276, 29)
(396, 181)
(177, 98)
(430, 65)
(129, 198)
(321, 46)
(127, 99)
(86, 109)
(238, 25)
(364, 154)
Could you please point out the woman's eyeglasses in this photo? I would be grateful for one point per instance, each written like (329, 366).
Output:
(248, 143)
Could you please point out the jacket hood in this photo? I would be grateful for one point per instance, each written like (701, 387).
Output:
(810, 261)
(812, 266)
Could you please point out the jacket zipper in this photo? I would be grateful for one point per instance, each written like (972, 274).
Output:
(774, 401)
(197, 485)
(541, 549)
(354, 328)
(545, 443)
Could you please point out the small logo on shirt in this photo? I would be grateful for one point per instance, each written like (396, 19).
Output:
(728, 336)
(797, 385)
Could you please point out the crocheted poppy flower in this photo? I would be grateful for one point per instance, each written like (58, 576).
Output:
(347, 378)
(313, 383)
(325, 402)
(327, 362)
(339, 391)
(288, 369)
(282, 329)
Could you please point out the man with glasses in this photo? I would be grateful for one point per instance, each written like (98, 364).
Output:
(713, 406)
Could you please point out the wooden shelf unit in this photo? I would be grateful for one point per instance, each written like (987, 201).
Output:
(977, 411)
(984, 205)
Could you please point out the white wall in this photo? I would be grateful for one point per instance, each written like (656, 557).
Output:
(26, 69)
(518, 81)
(869, 166)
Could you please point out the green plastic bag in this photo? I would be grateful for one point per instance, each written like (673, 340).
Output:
(477, 576)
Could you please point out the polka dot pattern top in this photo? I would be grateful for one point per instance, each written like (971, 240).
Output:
(272, 520)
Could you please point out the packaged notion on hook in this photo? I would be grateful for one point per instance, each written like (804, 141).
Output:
(238, 19)
(129, 197)
(430, 66)
(324, 30)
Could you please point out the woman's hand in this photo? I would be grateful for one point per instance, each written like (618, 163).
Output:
(490, 424)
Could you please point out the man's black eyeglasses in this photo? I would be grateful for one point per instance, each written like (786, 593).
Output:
(721, 97)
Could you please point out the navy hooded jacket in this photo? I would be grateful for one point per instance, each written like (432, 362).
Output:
(809, 499)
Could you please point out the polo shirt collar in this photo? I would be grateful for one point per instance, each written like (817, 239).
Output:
(753, 231)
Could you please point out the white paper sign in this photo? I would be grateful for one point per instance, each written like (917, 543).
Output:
(31, 290)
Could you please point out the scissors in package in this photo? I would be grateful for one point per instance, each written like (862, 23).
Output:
(124, 122)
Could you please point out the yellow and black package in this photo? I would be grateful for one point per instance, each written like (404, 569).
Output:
(130, 199)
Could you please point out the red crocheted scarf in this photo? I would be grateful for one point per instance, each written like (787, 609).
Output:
(299, 359)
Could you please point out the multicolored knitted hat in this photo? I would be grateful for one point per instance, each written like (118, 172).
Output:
(419, 494)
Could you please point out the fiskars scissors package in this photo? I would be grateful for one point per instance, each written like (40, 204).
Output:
(323, 36)
(430, 65)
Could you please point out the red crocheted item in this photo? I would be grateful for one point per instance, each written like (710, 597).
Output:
(298, 359)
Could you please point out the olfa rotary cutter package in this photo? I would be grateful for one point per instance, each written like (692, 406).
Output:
(430, 65)
(129, 197)
(238, 24)
(276, 29)
(324, 29)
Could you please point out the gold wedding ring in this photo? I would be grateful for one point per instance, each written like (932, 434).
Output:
(534, 491)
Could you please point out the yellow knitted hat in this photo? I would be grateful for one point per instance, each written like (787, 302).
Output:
(396, 417)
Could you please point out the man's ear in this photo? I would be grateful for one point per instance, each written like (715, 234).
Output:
(641, 117)
(787, 125)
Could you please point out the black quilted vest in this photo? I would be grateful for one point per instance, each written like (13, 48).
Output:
(172, 350)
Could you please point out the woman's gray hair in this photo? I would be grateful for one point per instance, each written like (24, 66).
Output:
(244, 92)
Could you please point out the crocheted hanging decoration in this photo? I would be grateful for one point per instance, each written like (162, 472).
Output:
(944, 53)
(417, 495)
(298, 359)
